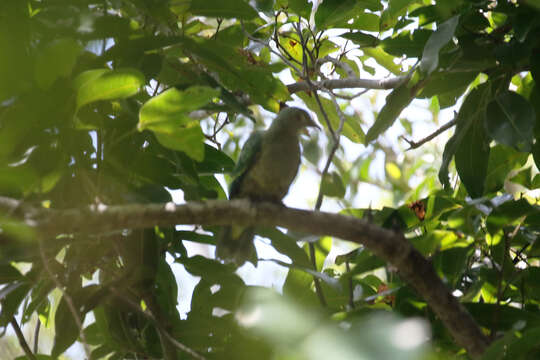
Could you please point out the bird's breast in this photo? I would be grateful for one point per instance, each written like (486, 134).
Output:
(275, 170)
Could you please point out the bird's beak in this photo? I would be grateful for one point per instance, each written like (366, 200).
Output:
(311, 124)
(314, 124)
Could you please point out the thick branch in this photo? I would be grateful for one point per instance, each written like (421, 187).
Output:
(389, 245)
(351, 83)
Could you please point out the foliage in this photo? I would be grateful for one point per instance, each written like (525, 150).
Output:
(117, 102)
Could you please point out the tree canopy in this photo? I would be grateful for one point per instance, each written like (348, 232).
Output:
(110, 108)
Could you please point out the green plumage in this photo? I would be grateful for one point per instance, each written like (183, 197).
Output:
(267, 166)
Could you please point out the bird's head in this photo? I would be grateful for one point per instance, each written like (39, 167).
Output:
(295, 118)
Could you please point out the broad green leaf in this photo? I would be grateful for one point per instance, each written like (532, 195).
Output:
(502, 159)
(56, 60)
(107, 85)
(510, 120)
(188, 139)
(382, 58)
(437, 40)
(472, 157)
(332, 185)
(443, 82)
(298, 286)
(167, 116)
(300, 7)
(331, 12)
(168, 110)
(363, 261)
(361, 39)
(396, 101)
(11, 298)
(391, 14)
(406, 43)
(450, 264)
(238, 9)
(364, 21)
(9, 274)
(472, 110)
(215, 161)
(286, 245)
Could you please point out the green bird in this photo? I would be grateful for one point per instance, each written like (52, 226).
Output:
(267, 166)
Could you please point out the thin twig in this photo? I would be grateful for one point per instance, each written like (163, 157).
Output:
(154, 93)
(22, 340)
(350, 97)
(417, 144)
(36, 335)
(219, 21)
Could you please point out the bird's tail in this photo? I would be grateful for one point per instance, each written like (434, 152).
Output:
(235, 244)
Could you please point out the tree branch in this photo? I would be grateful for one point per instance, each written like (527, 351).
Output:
(387, 244)
(353, 83)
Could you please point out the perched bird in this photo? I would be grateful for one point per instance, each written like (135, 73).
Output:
(267, 166)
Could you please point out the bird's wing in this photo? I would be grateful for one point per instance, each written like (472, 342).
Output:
(248, 156)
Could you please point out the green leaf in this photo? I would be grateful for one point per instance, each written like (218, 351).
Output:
(383, 58)
(510, 120)
(332, 185)
(391, 14)
(472, 110)
(167, 116)
(238, 9)
(364, 21)
(298, 286)
(361, 39)
(215, 161)
(444, 82)
(443, 34)
(188, 139)
(396, 101)
(502, 159)
(286, 245)
(95, 85)
(11, 298)
(301, 7)
(167, 111)
(9, 274)
(407, 43)
(472, 158)
(56, 60)
(331, 12)
(363, 261)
